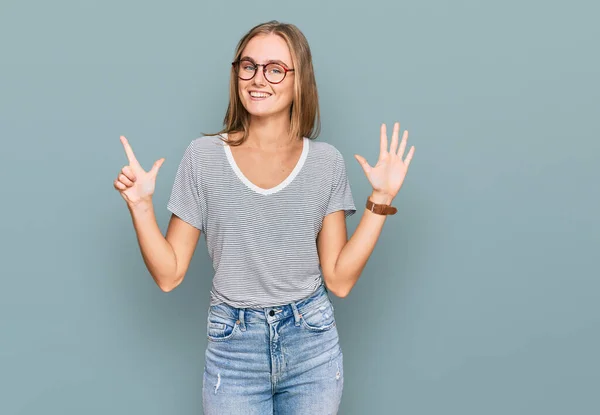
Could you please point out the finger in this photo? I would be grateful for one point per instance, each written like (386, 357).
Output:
(383, 142)
(129, 152)
(128, 172)
(394, 144)
(156, 166)
(403, 144)
(364, 164)
(409, 156)
(123, 179)
(119, 186)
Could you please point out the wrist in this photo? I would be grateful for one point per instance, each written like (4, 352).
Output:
(141, 207)
(381, 198)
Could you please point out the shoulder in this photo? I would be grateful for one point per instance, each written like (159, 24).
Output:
(204, 146)
(326, 152)
(207, 143)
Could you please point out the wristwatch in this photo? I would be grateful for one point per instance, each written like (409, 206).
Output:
(380, 209)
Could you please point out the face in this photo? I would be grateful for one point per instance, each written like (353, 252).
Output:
(259, 96)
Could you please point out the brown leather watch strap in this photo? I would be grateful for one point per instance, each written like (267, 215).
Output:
(380, 209)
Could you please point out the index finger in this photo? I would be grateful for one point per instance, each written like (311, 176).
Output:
(383, 141)
(128, 151)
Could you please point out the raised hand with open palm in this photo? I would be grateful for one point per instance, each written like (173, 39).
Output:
(388, 174)
(134, 183)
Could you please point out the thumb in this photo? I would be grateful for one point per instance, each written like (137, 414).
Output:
(366, 167)
(156, 167)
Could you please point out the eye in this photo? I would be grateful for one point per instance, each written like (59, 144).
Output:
(247, 66)
(275, 69)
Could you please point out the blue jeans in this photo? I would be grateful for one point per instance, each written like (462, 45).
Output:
(276, 360)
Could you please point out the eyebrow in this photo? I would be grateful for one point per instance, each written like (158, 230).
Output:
(270, 61)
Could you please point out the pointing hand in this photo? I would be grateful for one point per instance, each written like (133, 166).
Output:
(133, 182)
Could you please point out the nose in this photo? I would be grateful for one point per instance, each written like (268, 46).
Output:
(259, 77)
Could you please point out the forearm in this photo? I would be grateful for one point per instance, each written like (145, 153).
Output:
(356, 252)
(157, 252)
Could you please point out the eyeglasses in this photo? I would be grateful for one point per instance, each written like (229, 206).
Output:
(274, 73)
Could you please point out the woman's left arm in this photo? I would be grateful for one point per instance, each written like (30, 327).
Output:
(343, 260)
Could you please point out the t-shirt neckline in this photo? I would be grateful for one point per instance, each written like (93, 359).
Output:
(280, 186)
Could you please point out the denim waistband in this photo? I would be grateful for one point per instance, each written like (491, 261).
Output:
(272, 314)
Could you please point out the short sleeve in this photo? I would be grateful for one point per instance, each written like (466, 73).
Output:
(187, 201)
(341, 194)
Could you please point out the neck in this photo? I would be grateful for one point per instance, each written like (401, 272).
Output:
(270, 133)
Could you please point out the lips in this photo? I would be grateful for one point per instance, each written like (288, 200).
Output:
(259, 95)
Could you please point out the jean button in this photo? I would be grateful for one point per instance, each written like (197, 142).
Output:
(272, 313)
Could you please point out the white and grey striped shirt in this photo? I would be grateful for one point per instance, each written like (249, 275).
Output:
(262, 241)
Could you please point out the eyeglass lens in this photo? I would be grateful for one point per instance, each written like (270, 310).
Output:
(273, 71)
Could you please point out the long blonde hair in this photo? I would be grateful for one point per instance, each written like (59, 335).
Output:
(304, 113)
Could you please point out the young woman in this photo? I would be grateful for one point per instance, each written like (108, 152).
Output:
(272, 204)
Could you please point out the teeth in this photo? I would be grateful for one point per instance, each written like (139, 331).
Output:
(259, 94)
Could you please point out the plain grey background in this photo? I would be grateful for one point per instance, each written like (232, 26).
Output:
(482, 294)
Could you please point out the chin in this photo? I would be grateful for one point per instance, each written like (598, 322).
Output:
(263, 111)
(262, 114)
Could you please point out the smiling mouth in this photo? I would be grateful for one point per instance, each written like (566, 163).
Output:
(259, 95)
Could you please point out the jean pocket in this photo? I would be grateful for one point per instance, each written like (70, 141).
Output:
(319, 317)
(220, 326)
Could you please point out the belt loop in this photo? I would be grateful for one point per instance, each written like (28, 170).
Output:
(241, 320)
(297, 315)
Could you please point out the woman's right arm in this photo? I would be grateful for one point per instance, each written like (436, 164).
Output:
(167, 258)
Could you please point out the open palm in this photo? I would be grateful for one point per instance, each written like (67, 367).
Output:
(388, 174)
(133, 182)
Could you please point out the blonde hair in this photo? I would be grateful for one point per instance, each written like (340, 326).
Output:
(304, 113)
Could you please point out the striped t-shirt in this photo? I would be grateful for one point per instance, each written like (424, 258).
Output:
(262, 242)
